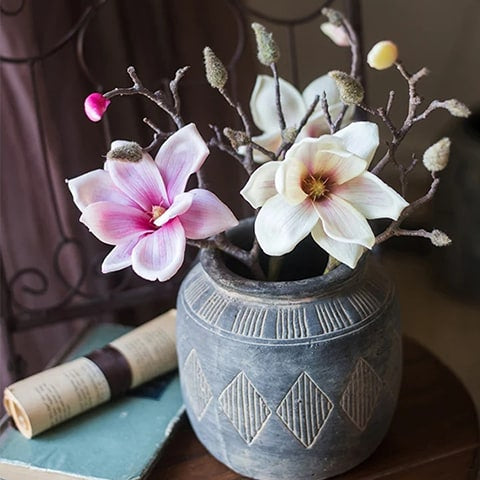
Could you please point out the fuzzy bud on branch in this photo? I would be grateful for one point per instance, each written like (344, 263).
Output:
(125, 151)
(436, 156)
(351, 91)
(267, 49)
(215, 71)
(237, 137)
(457, 108)
(440, 239)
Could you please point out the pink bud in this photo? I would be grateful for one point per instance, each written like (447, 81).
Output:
(336, 34)
(95, 106)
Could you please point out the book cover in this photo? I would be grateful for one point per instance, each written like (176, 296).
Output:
(119, 440)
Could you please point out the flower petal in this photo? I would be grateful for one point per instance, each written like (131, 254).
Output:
(181, 155)
(261, 184)
(140, 181)
(112, 223)
(327, 157)
(263, 104)
(279, 226)
(321, 84)
(347, 253)
(371, 197)
(158, 256)
(288, 180)
(120, 256)
(180, 205)
(343, 222)
(95, 186)
(361, 139)
(207, 216)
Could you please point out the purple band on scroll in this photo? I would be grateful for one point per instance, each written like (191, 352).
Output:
(115, 368)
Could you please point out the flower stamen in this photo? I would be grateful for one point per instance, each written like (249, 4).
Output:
(315, 187)
(157, 212)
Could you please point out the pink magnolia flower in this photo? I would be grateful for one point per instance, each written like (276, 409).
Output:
(141, 207)
(323, 188)
(95, 106)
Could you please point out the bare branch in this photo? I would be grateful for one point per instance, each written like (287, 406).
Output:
(278, 101)
(394, 227)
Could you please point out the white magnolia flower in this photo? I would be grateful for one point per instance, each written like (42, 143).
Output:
(295, 106)
(323, 188)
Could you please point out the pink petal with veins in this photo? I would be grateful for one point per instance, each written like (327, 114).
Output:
(140, 181)
(95, 186)
(207, 216)
(159, 256)
(180, 156)
(113, 223)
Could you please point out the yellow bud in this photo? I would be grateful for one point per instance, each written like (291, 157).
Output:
(382, 55)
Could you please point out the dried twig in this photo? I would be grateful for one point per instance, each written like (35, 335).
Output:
(394, 229)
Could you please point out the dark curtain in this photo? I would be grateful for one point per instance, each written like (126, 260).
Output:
(46, 138)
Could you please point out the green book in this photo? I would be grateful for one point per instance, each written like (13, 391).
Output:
(119, 440)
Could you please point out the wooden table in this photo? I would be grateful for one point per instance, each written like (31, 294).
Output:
(434, 434)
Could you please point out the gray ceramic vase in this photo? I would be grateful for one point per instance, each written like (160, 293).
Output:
(289, 380)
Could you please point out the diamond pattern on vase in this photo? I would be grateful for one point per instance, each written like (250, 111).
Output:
(244, 407)
(197, 387)
(305, 409)
(361, 394)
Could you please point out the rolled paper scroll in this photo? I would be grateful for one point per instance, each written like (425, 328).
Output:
(48, 398)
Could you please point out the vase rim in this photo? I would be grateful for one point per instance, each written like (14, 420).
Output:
(215, 267)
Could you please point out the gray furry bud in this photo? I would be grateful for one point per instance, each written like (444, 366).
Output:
(334, 16)
(289, 134)
(237, 137)
(125, 151)
(440, 239)
(457, 108)
(436, 156)
(215, 71)
(267, 49)
(351, 91)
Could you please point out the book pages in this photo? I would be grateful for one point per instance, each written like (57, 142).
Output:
(48, 398)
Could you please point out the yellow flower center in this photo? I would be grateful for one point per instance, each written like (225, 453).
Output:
(157, 212)
(315, 187)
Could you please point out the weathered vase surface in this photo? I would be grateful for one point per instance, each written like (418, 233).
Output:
(289, 380)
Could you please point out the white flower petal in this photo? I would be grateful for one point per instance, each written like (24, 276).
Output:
(158, 256)
(288, 180)
(322, 84)
(180, 205)
(326, 156)
(371, 197)
(263, 104)
(280, 226)
(343, 222)
(261, 185)
(361, 139)
(347, 253)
